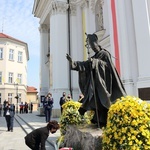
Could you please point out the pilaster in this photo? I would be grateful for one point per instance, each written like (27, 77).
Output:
(124, 44)
(141, 19)
(44, 61)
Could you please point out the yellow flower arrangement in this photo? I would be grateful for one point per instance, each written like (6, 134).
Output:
(128, 125)
(71, 115)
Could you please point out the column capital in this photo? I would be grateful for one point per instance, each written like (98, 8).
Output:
(81, 3)
(93, 4)
(58, 7)
(43, 28)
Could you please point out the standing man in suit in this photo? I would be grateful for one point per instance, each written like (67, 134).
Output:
(48, 105)
(9, 112)
(62, 101)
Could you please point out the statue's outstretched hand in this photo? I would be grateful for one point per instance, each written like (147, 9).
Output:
(69, 58)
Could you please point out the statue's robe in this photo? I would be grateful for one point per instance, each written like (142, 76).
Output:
(106, 81)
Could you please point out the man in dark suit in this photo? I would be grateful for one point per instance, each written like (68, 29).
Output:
(9, 112)
(62, 101)
(37, 138)
(48, 105)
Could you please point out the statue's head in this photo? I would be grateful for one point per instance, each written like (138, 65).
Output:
(92, 39)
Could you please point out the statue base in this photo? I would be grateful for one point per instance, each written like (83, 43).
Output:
(83, 137)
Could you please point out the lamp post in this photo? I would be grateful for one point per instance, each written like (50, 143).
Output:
(17, 97)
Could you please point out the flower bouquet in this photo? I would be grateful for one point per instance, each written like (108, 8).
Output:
(128, 125)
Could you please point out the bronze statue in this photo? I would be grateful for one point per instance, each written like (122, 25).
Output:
(98, 80)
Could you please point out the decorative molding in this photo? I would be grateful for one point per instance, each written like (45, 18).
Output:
(43, 28)
(144, 78)
(45, 11)
(74, 1)
(58, 7)
(127, 81)
(73, 9)
(81, 3)
(143, 82)
(92, 4)
(99, 15)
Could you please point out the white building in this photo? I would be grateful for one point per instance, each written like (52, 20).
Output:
(123, 28)
(13, 69)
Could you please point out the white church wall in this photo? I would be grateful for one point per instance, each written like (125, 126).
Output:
(142, 32)
(124, 48)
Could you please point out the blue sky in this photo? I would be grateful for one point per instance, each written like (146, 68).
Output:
(17, 20)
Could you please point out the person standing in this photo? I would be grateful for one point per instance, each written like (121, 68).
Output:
(21, 108)
(9, 112)
(31, 107)
(69, 98)
(48, 107)
(37, 138)
(62, 101)
(26, 107)
(0, 109)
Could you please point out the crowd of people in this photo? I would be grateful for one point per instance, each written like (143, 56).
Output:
(48, 102)
(25, 107)
(7, 109)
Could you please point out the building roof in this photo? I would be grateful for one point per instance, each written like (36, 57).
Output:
(2, 35)
(5, 36)
(31, 89)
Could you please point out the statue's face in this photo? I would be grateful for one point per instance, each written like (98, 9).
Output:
(94, 46)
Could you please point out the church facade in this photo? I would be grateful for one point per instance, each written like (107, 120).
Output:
(121, 27)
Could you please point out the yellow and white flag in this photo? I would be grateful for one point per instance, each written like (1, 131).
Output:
(17, 81)
(3, 80)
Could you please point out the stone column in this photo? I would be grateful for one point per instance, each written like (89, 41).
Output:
(59, 78)
(127, 47)
(44, 61)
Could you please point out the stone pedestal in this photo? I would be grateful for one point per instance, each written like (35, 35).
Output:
(83, 138)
